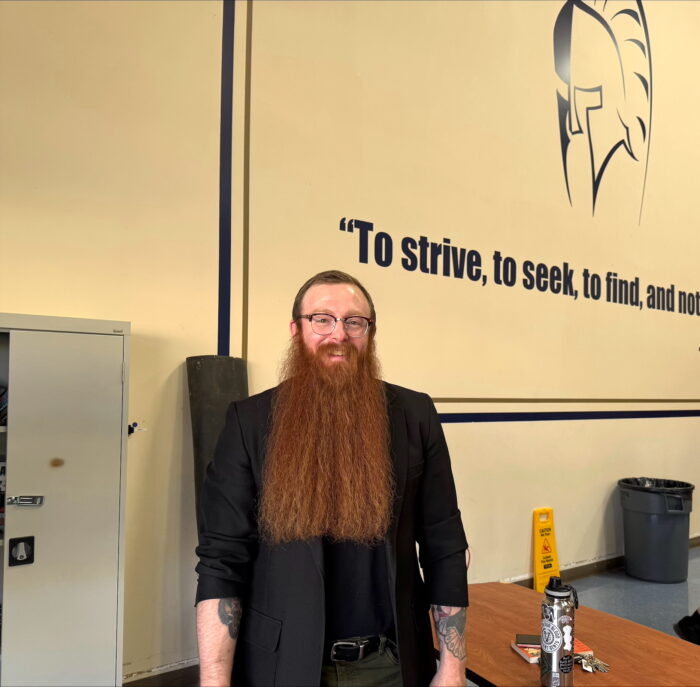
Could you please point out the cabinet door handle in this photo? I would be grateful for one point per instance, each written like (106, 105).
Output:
(25, 500)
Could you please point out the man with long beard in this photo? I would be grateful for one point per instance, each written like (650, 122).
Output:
(310, 514)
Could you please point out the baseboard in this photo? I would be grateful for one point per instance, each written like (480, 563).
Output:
(180, 677)
(578, 571)
(584, 570)
(181, 674)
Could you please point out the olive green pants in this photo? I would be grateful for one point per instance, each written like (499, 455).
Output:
(379, 669)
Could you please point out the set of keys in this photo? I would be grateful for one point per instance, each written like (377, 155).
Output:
(590, 664)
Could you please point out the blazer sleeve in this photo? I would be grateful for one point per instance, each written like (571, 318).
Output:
(228, 535)
(440, 534)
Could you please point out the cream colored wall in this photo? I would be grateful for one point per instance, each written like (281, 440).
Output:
(109, 149)
(504, 470)
(109, 133)
(440, 119)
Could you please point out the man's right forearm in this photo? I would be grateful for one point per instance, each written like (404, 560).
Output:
(218, 623)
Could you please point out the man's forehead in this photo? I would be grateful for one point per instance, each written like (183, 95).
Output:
(336, 296)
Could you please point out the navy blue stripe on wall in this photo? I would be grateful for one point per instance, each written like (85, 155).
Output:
(225, 155)
(446, 418)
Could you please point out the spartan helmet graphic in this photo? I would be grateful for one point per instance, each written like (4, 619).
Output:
(601, 55)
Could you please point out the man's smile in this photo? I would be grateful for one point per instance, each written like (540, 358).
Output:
(334, 353)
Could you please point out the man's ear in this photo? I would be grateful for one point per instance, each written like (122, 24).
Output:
(293, 328)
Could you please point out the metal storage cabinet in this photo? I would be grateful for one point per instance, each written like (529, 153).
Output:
(65, 441)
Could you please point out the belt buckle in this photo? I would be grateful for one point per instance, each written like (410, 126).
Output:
(360, 646)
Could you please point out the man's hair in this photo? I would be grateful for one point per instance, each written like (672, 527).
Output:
(330, 277)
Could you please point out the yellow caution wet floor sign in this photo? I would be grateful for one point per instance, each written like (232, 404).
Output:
(544, 547)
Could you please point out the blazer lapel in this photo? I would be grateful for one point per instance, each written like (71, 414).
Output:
(399, 453)
(399, 456)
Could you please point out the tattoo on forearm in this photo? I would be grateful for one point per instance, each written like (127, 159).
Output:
(450, 622)
(230, 612)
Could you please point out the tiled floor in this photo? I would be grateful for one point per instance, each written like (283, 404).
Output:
(648, 603)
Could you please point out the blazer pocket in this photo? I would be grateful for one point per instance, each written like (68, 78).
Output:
(415, 471)
(261, 630)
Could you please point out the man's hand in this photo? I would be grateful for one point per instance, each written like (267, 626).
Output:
(218, 622)
(450, 622)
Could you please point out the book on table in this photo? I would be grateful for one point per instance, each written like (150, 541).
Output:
(528, 647)
(530, 653)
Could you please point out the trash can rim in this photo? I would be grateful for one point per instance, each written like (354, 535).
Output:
(658, 485)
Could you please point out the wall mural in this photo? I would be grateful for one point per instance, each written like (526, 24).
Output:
(484, 167)
(603, 58)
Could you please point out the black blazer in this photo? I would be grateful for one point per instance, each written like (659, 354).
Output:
(281, 640)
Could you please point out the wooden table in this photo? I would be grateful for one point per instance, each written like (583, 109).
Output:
(638, 655)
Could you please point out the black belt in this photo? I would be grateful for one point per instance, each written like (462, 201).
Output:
(353, 649)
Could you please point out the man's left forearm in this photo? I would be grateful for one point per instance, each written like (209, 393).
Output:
(450, 624)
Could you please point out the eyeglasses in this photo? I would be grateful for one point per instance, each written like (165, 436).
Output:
(323, 324)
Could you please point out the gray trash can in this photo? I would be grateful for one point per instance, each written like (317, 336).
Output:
(656, 518)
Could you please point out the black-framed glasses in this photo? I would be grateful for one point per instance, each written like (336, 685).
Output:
(323, 324)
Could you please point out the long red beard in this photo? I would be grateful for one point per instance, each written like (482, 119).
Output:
(328, 470)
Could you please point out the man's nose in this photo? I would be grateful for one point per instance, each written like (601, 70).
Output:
(339, 333)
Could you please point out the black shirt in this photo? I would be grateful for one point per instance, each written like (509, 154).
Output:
(358, 603)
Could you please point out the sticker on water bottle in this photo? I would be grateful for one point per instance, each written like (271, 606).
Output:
(568, 637)
(551, 637)
(566, 663)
